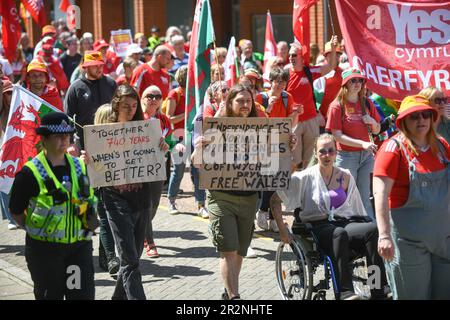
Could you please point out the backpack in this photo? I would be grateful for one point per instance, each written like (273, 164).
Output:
(284, 96)
(166, 101)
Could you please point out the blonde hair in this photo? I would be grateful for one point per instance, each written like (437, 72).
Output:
(322, 137)
(430, 92)
(103, 113)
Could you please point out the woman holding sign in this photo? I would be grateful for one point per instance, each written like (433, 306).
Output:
(352, 119)
(232, 212)
(128, 207)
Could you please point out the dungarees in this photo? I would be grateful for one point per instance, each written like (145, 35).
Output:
(421, 234)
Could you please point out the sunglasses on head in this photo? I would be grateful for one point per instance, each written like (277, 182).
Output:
(356, 80)
(442, 100)
(425, 115)
(153, 97)
(331, 151)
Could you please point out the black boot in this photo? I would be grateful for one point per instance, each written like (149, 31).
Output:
(113, 265)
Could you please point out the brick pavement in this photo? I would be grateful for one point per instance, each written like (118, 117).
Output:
(187, 269)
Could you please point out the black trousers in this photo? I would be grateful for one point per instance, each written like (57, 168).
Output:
(156, 188)
(338, 238)
(106, 236)
(128, 227)
(265, 203)
(61, 270)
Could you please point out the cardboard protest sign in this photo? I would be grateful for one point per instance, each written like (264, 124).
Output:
(246, 154)
(401, 46)
(121, 40)
(124, 153)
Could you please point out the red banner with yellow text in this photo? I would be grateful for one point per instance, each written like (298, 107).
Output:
(401, 47)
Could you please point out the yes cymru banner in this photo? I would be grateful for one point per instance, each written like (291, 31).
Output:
(401, 47)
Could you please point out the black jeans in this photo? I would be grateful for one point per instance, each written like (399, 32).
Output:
(155, 196)
(338, 238)
(128, 227)
(106, 236)
(265, 204)
(61, 270)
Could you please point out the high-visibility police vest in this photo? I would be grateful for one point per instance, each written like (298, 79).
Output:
(57, 223)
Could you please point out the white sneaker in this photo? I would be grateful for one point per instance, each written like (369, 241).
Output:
(251, 253)
(202, 212)
(12, 226)
(273, 225)
(262, 218)
(173, 208)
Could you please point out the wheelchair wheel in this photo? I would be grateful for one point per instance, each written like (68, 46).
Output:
(359, 277)
(293, 272)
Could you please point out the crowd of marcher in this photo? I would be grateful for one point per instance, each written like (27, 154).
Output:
(349, 159)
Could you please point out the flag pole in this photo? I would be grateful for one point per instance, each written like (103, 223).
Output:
(217, 61)
(331, 18)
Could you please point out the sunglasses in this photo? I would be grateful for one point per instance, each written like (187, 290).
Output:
(330, 151)
(442, 100)
(153, 97)
(293, 55)
(225, 90)
(356, 80)
(425, 115)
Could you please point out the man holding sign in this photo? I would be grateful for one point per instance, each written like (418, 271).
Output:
(232, 196)
(123, 159)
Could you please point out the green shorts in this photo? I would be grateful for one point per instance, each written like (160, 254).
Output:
(231, 220)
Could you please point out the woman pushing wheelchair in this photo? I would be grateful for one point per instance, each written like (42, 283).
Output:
(330, 202)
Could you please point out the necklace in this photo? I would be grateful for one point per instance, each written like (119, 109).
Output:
(331, 177)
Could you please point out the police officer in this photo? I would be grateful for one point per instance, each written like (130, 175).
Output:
(52, 200)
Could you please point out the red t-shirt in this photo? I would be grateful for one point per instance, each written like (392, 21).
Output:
(332, 87)
(144, 76)
(209, 110)
(51, 95)
(352, 125)
(178, 96)
(301, 90)
(279, 110)
(391, 162)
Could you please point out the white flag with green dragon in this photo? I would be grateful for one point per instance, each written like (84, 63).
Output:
(20, 141)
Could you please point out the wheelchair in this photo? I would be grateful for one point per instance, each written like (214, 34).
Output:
(305, 272)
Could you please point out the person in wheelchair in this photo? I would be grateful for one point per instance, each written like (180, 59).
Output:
(332, 205)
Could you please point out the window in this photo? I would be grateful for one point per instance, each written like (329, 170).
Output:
(180, 14)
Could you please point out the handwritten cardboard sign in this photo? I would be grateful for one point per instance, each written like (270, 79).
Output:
(121, 40)
(124, 153)
(246, 154)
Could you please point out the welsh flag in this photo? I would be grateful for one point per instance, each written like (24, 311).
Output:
(10, 28)
(231, 64)
(270, 46)
(20, 140)
(199, 66)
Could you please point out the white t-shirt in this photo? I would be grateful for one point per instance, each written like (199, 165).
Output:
(6, 67)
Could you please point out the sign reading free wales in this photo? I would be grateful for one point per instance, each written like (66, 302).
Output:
(401, 46)
(124, 153)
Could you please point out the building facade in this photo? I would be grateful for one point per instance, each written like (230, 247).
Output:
(245, 19)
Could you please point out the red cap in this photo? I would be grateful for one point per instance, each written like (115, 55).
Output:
(99, 44)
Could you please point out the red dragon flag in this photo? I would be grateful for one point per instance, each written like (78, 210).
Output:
(20, 139)
(10, 28)
(199, 66)
(300, 24)
(270, 46)
(36, 10)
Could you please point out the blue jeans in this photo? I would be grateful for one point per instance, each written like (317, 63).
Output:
(360, 164)
(176, 175)
(4, 207)
(199, 195)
